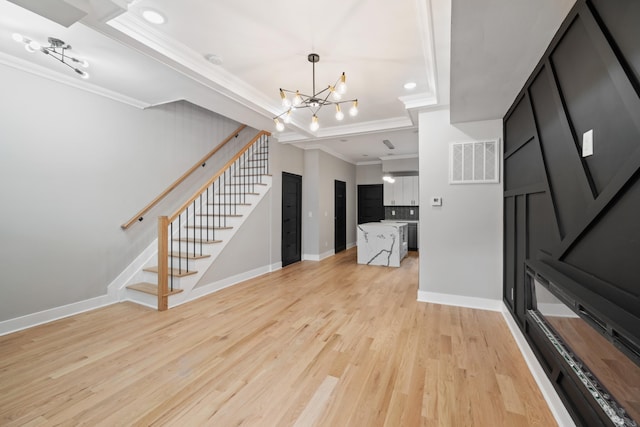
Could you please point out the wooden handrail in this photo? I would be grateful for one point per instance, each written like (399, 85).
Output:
(217, 175)
(138, 217)
(163, 224)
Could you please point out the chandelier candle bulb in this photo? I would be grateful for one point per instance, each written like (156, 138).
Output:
(279, 125)
(334, 94)
(339, 113)
(287, 117)
(314, 126)
(353, 111)
(297, 100)
(342, 86)
(286, 102)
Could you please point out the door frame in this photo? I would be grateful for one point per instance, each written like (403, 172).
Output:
(342, 213)
(298, 180)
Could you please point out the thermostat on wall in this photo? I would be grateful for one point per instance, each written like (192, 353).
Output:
(436, 201)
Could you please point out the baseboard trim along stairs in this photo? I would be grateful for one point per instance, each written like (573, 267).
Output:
(141, 284)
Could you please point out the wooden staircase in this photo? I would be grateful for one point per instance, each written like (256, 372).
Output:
(199, 235)
(144, 288)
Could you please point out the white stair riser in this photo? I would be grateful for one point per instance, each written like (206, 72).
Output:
(200, 265)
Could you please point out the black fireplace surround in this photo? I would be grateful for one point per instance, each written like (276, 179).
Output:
(572, 220)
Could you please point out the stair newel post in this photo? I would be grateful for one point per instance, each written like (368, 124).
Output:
(163, 263)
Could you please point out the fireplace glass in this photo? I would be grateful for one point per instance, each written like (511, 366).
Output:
(611, 378)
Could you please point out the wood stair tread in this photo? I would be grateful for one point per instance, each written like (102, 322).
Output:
(229, 204)
(246, 184)
(172, 271)
(187, 255)
(203, 241)
(150, 288)
(237, 194)
(221, 216)
(211, 227)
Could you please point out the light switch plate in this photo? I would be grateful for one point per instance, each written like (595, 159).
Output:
(436, 201)
(587, 143)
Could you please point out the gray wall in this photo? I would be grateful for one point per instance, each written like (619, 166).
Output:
(249, 248)
(321, 170)
(400, 165)
(369, 174)
(73, 167)
(461, 241)
(283, 158)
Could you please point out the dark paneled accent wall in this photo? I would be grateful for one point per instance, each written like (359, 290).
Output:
(573, 221)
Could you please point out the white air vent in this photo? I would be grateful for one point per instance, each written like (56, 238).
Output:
(474, 162)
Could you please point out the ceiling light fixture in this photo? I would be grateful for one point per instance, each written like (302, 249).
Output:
(410, 85)
(153, 16)
(330, 95)
(389, 179)
(56, 50)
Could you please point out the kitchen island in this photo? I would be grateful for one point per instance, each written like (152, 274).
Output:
(382, 243)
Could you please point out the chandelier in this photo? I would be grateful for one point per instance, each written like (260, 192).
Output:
(330, 95)
(56, 50)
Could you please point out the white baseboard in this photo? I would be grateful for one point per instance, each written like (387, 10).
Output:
(460, 301)
(276, 266)
(556, 406)
(46, 316)
(210, 288)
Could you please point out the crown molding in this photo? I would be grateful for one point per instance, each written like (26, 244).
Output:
(326, 150)
(376, 126)
(425, 23)
(418, 100)
(195, 65)
(374, 162)
(69, 80)
(399, 157)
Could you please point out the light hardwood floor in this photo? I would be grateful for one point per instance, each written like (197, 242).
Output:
(328, 343)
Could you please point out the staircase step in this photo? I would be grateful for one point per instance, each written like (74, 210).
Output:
(150, 288)
(172, 271)
(249, 175)
(237, 194)
(229, 204)
(187, 255)
(221, 216)
(211, 227)
(247, 184)
(203, 241)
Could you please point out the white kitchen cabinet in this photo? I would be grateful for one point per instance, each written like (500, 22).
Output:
(393, 192)
(403, 192)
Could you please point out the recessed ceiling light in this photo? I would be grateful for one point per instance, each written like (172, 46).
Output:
(153, 16)
(344, 140)
(410, 85)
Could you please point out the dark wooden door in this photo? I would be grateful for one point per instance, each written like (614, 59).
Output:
(291, 218)
(370, 203)
(340, 216)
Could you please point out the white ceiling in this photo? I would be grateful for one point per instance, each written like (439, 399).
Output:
(264, 46)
